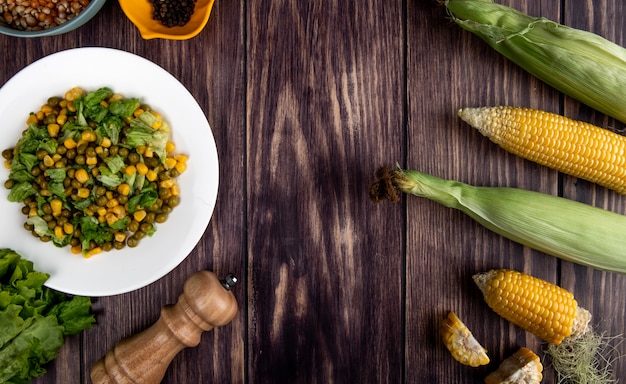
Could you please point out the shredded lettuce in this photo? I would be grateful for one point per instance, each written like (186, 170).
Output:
(142, 133)
(34, 319)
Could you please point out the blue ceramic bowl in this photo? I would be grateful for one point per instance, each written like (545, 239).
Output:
(84, 16)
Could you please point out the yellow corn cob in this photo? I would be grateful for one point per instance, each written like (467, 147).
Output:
(461, 343)
(537, 306)
(524, 366)
(573, 147)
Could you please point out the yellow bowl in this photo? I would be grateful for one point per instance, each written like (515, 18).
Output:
(140, 12)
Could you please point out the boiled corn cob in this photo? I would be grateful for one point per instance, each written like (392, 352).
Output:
(578, 63)
(535, 305)
(461, 343)
(573, 147)
(524, 366)
(560, 227)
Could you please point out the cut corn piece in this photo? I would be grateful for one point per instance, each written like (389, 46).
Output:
(461, 343)
(573, 147)
(523, 367)
(535, 305)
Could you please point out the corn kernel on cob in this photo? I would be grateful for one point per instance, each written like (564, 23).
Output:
(573, 147)
(535, 305)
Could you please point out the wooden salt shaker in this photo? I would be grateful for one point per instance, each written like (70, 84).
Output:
(206, 302)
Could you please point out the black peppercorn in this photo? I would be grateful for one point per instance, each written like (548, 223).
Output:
(172, 13)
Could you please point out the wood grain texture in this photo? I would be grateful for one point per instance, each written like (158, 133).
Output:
(306, 100)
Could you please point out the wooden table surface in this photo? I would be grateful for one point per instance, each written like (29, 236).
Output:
(306, 99)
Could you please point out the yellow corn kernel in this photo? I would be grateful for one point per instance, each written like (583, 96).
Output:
(71, 107)
(115, 97)
(111, 218)
(56, 157)
(123, 189)
(95, 171)
(7, 164)
(63, 104)
(524, 366)
(99, 150)
(181, 167)
(106, 142)
(76, 249)
(93, 252)
(181, 158)
(141, 149)
(535, 305)
(142, 169)
(73, 94)
(46, 109)
(101, 211)
(119, 236)
(156, 114)
(91, 160)
(81, 175)
(138, 112)
(47, 161)
(32, 212)
(130, 170)
(112, 203)
(56, 206)
(170, 162)
(167, 183)
(148, 152)
(119, 211)
(175, 190)
(109, 195)
(53, 129)
(102, 219)
(40, 115)
(170, 147)
(68, 228)
(573, 147)
(61, 119)
(151, 175)
(88, 136)
(157, 124)
(139, 215)
(461, 343)
(69, 143)
(104, 104)
(58, 232)
(32, 119)
(83, 192)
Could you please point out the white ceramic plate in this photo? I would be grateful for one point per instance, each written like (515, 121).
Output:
(117, 271)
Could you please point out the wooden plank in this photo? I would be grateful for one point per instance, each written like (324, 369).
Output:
(449, 68)
(325, 91)
(599, 292)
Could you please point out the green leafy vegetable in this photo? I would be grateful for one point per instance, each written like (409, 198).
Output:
(34, 319)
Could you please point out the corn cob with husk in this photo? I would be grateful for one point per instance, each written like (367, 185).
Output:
(461, 342)
(573, 147)
(522, 367)
(560, 227)
(552, 314)
(578, 63)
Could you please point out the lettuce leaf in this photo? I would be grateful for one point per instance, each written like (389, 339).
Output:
(34, 319)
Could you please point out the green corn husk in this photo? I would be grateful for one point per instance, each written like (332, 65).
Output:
(557, 226)
(578, 63)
